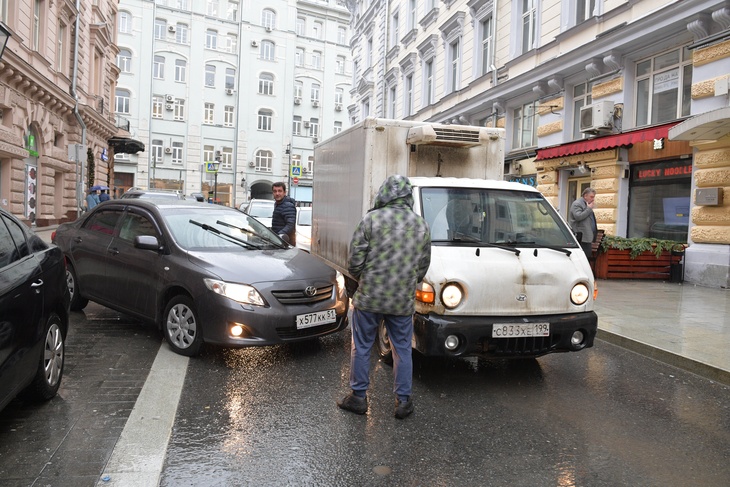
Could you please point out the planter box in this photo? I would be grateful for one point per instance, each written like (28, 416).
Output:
(617, 264)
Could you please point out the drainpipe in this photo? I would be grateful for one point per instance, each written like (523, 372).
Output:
(79, 168)
(494, 46)
(384, 101)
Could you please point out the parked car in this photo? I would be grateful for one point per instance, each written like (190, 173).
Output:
(203, 273)
(261, 209)
(304, 228)
(34, 313)
(153, 193)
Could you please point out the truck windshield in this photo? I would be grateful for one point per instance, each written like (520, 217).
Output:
(477, 216)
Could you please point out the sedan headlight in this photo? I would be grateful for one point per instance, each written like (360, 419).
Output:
(579, 294)
(241, 293)
(340, 281)
(452, 295)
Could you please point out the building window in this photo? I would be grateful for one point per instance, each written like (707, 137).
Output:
(337, 128)
(179, 110)
(310, 164)
(230, 78)
(268, 19)
(581, 98)
(485, 47)
(158, 70)
(231, 41)
(264, 120)
(299, 56)
(210, 75)
(177, 152)
(266, 84)
(301, 27)
(394, 26)
(160, 29)
(227, 157)
(157, 106)
(268, 51)
(454, 66)
(584, 10)
(181, 70)
(317, 30)
(315, 92)
(296, 160)
(314, 127)
(38, 10)
(369, 53)
(211, 8)
(298, 89)
(339, 95)
(428, 83)
(232, 10)
(124, 60)
(228, 114)
(61, 47)
(528, 25)
(412, 15)
(121, 101)
(524, 133)
(125, 22)
(663, 87)
(297, 125)
(156, 152)
(408, 96)
(392, 101)
(181, 34)
(340, 65)
(211, 39)
(317, 60)
(342, 35)
(366, 107)
(264, 159)
(208, 110)
(208, 153)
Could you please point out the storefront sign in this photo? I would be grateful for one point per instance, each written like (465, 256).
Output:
(661, 171)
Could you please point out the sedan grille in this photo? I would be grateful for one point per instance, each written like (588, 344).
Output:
(292, 333)
(529, 346)
(304, 296)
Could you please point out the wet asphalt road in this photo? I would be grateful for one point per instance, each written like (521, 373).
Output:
(603, 417)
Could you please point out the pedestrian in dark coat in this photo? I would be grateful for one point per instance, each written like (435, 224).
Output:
(284, 219)
(583, 221)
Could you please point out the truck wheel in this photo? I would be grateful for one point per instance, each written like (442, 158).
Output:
(383, 341)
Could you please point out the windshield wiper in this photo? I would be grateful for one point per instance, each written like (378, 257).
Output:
(551, 247)
(500, 246)
(252, 233)
(224, 236)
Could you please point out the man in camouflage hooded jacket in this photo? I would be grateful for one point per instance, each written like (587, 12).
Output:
(390, 253)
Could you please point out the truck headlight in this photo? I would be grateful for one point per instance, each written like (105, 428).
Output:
(579, 294)
(451, 295)
(241, 293)
(425, 293)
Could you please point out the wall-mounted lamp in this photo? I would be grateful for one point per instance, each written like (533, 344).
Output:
(4, 36)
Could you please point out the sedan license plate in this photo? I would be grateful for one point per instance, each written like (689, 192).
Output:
(314, 319)
(520, 330)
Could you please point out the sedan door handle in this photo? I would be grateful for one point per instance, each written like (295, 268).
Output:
(39, 283)
(113, 251)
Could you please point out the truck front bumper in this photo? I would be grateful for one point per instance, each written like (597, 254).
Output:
(473, 335)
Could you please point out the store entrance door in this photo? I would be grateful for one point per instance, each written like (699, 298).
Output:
(575, 190)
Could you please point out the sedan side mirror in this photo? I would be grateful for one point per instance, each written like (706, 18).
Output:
(147, 242)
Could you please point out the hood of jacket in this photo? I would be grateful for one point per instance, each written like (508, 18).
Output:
(395, 191)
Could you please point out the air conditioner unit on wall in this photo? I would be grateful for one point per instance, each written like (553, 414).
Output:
(169, 98)
(171, 28)
(338, 106)
(229, 91)
(596, 117)
(251, 164)
(168, 150)
(297, 100)
(306, 124)
(254, 44)
(315, 103)
(168, 107)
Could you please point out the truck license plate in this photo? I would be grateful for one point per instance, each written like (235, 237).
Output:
(518, 330)
(314, 319)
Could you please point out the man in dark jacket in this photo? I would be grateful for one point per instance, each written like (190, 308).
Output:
(390, 253)
(582, 220)
(284, 219)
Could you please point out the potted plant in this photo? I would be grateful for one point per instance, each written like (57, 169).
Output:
(639, 258)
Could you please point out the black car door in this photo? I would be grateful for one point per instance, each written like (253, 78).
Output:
(21, 305)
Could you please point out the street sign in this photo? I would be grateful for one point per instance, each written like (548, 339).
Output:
(295, 171)
(295, 180)
(211, 167)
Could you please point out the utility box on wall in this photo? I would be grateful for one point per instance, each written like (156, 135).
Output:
(708, 196)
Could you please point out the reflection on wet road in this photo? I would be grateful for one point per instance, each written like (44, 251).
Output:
(605, 416)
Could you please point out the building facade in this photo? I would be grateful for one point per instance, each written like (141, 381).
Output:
(57, 76)
(229, 95)
(611, 94)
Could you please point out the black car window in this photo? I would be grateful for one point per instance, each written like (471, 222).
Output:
(9, 252)
(103, 221)
(134, 225)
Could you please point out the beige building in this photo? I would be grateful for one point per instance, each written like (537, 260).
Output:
(56, 89)
(628, 97)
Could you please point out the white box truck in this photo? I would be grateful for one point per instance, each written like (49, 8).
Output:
(507, 276)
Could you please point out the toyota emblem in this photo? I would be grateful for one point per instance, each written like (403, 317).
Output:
(310, 291)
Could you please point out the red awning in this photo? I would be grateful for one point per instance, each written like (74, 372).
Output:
(606, 142)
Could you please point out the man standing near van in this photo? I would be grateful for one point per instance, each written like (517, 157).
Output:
(390, 253)
(284, 219)
(582, 220)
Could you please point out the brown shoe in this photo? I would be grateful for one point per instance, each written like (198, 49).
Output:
(354, 404)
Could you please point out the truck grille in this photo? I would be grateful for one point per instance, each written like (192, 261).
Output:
(300, 296)
(515, 347)
(456, 135)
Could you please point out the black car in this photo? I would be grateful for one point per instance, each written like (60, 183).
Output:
(153, 193)
(202, 273)
(34, 313)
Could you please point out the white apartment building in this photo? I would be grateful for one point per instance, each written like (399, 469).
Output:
(629, 97)
(250, 85)
(57, 77)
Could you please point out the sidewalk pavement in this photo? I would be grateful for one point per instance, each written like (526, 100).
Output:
(681, 324)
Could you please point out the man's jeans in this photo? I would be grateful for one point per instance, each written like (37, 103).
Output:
(364, 333)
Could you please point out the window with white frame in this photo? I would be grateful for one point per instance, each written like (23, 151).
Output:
(232, 10)
(408, 96)
(369, 53)
(268, 19)
(179, 110)
(264, 119)
(156, 152)
(124, 60)
(452, 31)
(298, 89)
(181, 4)
(485, 45)
(125, 22)
(314, 127)
(228, 114)
(584, 10)
(663, 87)
(181, 33)
(581, 97)
(208, 110)
(230, 78)
(341, 35)
(299, 56)
(340, 65)
(121, 100)
(317, 29)
(394, 27)
(208, 153)
(211, 39)
(266, 84)
(454, 56)
(158, 68)
(263, 160)
(177, 152)
(268, 51)
(365, 107)
(158, 103)
(38, 10)
(524, 126)
(61, 50)
(337, 128)
(296, 125)
(339, 95)
(314, 94)
(211, 8)
(296, 160)
(528, 25)
(210, 75)
(310, 164)
(227, 157)
(160, 28)
(316, 60)
(301, 26)
(428, 82)
(181, 70)
(412, 15)
(231, 42)
(392, 101)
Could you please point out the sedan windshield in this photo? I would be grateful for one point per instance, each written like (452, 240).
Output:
(202, 228)
(493, 217)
